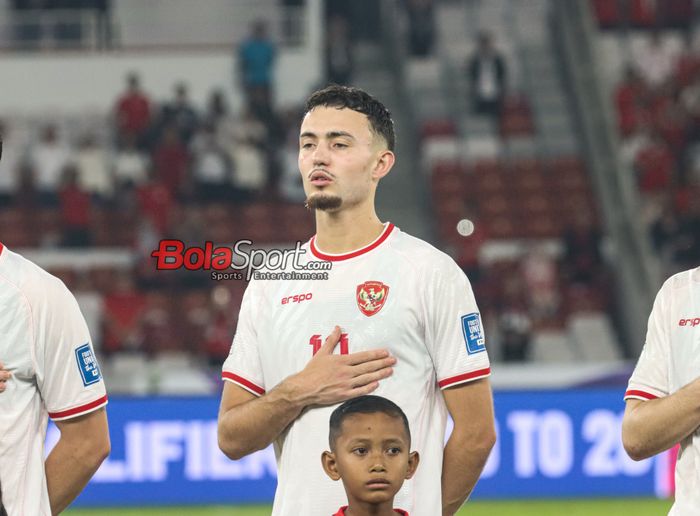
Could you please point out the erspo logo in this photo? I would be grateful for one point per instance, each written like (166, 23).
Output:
(297, 298)
(695, 321)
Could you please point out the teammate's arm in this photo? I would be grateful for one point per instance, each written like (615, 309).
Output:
(248, 423)
(83, 445)
(469, 445)
(650, 427)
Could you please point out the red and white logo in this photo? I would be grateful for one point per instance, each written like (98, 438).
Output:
(694, 321)
(371, 296)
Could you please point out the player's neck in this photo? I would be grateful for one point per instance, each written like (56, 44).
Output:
(343, 232)
(357, 508)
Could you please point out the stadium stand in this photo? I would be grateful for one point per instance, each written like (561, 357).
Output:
(650, 56)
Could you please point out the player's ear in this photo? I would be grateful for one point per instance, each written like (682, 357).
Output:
(413, 460)
(385, 160)
(330, 466)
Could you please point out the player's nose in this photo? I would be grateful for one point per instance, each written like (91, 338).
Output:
(321, 155)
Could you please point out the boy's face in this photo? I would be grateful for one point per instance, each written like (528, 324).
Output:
(372, 457)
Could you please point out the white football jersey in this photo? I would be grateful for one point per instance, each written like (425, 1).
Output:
(670, 360)
(397, 293)
(45, 342)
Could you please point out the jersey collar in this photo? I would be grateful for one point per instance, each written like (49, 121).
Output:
(1, 248)
(352, 254)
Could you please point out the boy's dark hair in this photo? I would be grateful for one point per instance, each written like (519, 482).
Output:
(358, 100)
(368, 404)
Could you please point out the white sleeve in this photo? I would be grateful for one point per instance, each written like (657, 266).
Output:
(454, 331)
(243, 366)
(68, 375)
(650, 377)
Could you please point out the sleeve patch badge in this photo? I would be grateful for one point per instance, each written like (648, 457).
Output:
(87, 364)
(473, 334)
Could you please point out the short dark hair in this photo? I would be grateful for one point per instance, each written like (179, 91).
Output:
(349, 97)
(368, 404)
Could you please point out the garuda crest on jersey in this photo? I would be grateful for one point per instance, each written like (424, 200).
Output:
(371, 296)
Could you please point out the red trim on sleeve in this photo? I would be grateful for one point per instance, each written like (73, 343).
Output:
(1, 247)
(243, 382)
(339, 257)
(76, 411)
(641, 394)
(466, 377)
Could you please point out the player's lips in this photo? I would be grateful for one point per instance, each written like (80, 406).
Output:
(378, 483)
(320, 178)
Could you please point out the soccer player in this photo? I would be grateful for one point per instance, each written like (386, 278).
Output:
(46, 346)
(663, 396)
(411, 330)
(370, 443)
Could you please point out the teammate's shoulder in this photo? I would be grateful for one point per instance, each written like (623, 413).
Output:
(33, 282)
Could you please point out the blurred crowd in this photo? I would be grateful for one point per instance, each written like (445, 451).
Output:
(658, 107)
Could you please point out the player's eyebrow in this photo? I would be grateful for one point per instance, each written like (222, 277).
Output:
(330, 135)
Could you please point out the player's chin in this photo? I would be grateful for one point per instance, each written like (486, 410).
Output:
(323, 201)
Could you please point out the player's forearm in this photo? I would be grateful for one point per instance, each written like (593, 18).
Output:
(253, 425)
(70, 465)
(650, 427)
(463, 460)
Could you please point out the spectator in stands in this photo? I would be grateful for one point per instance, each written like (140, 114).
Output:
(76, 209)
(631, 100)
(655, 165)
(95, 176)
(690, 99)
(421, 27)
(633, 143)
(655, 61)
(217, 332)
(688, 240)
(582, 258)
(664, 231)
(217, 109)
(291, 187)
(123, 309)
(339, 51)
(179, 114)
(155, 203)
(130, 164)
(211, 166)
(133, 112)
(160, 328)
(250, 167)
(256, 57)
(688, 64)
(671, 120)
(10, 163)
(540, 277)
(514, 322)
(48, 158)
(643, 13)
(171, 160)
(487, 74)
